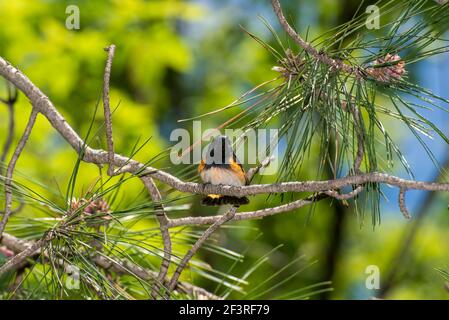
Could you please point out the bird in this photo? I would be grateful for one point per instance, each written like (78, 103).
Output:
(221, 167)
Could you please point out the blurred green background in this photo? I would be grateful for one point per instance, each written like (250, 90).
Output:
(178, 59)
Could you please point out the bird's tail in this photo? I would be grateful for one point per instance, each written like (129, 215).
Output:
(218, 200)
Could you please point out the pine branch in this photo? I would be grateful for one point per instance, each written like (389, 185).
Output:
(322, 57)
(163, 225)
(42, 104)
(119, 266)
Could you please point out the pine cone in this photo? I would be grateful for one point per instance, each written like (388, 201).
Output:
(390, 73)
(98, 207)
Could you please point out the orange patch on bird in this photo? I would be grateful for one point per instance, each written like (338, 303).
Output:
(238, 170)
(201, 166)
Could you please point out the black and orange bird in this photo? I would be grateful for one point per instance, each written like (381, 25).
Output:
(222, 168)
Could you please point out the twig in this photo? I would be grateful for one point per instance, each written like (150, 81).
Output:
(253, 171)
(107, 109)
(16, 210)
(402, 205)
(163, 225)
(11, 166)
(209, 231)
(346, 196)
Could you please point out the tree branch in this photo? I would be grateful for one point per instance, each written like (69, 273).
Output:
(402, 252)
(349, 195)
(10, 170)
(253, 171)
(249, 215)
(402, 204)
(107, 110)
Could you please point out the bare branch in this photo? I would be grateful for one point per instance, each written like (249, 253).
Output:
(16, 210)
(107, 109)
(294, 186)
(253, 171)
(17, 246)
(249, 215)
(402, 205)
(11, 166)
(349, 195)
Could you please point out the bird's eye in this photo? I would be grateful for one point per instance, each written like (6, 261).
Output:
(212, 153)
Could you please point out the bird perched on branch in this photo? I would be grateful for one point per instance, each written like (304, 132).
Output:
(222, 168)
